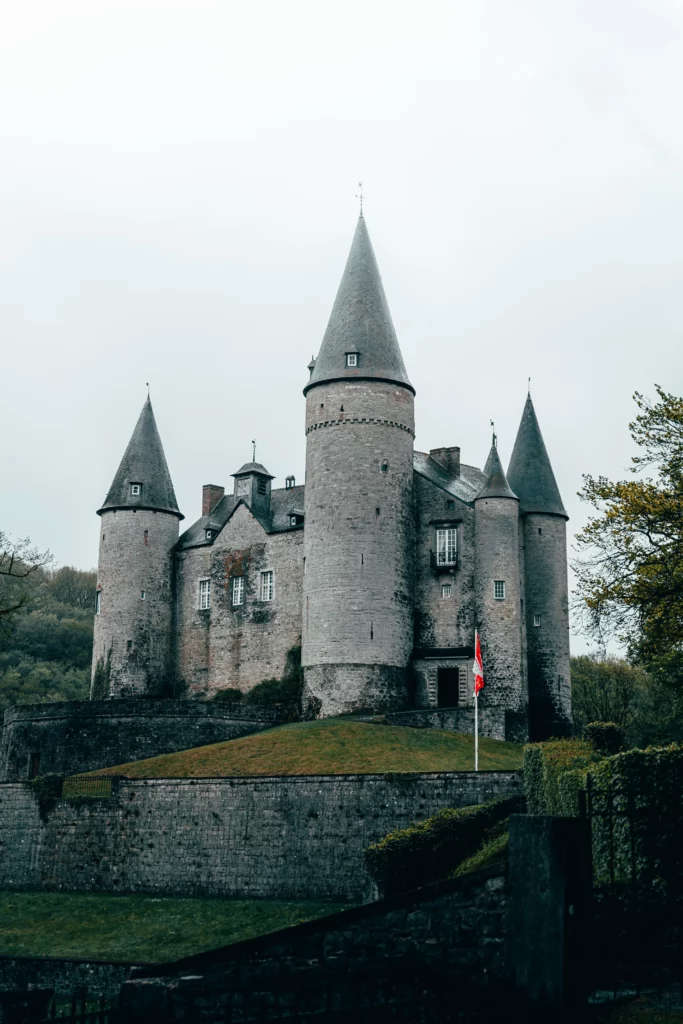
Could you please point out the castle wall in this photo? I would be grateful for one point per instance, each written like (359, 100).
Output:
(191, 625)
(267, 838)
(545, 556)
(358, 545)
(442, 622)
(79, 736)
(133, 639)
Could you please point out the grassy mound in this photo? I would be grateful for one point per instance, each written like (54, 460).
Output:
(329, 747)
(138, 928)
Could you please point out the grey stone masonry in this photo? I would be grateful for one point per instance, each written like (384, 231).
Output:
(299, 837)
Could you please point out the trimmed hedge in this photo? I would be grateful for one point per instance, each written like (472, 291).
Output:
(432, 850)
(552, 775)
(606, 738)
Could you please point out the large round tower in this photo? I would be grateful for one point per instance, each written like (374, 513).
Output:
(544, 529)
(358, 539)
(133, 642)
(499, 589)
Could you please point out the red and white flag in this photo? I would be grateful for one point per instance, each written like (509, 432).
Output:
(477, 667)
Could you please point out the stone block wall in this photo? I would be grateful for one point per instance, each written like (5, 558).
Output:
(102, 979)
(491, 720)
(79, 736)
(300, 837)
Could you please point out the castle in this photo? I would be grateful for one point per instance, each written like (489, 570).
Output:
(379, 568)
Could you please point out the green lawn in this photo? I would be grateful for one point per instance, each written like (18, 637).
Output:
(328, 747)
(138, 928)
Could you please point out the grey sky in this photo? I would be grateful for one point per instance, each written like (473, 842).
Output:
(177, 186)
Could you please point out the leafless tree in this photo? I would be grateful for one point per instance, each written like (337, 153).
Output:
(19, 561)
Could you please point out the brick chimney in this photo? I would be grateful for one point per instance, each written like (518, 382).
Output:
(448, 459)
(211, 495)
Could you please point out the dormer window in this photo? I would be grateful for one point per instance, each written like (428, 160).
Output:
(289, 483)
(292, 520)
(135, 490)
(208, 534)
(352, 359)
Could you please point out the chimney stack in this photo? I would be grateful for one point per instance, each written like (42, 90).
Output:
(448, 459)
(211, 495)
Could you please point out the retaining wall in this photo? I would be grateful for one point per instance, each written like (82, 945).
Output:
(79, 736)
(298, 837)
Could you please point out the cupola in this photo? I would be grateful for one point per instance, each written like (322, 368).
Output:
(252, 484)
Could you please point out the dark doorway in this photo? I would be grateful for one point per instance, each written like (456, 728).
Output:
(34, 766)
(448, 680)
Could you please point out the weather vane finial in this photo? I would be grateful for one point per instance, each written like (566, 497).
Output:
(147, 389)
(253, 451)
(359, 195)
(495, 438)
(528, 386)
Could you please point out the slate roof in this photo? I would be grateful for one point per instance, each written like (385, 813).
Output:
(253, 467)
(360, 322)
(530, 474)
(284, 502)
(464, 487)
(144, 463)
(495, 482)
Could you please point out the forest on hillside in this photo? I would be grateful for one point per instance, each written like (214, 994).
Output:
(46, 645)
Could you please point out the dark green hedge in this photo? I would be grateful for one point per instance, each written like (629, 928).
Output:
(606, 738)
(432, 849)
(550, 783)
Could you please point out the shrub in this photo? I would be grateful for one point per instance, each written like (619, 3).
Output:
(605, 737)
(432, 849)
(553, 774)
(228, 696)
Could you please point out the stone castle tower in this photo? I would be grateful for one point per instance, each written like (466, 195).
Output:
(358, 539)
(133, 643)
(376, 571)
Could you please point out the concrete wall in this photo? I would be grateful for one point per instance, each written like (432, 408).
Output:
(133, 642)
(358, 545)
(78, 736)
(267, 838)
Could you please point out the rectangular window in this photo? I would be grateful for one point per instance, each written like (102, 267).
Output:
(34, 766)
(238, 590)
(98, 602)
(462, 686)
(267, 586)
(143, 595)
(204, 594)
(136, 490)
(446, 590)
(261, 488)
(351, 359)
(537, 620)
(499, 590)
(447, 546)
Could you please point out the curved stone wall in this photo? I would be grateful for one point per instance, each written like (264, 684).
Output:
(79, 736)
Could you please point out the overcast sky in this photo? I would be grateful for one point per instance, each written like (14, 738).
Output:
(178, 184)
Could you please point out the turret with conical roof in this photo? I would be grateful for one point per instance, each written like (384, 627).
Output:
(543, 525)
(358, 538)
(499, 589)
(133, 642)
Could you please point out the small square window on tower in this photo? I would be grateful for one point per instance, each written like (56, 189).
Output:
(135, 490)
(204, 594)
(267, 585)
(352, 359)
(499, 590)
(446, 589)
(537, 620)
(143, 595)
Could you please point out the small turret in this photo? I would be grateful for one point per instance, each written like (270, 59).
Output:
(133, 642)
(545, 573)
(498, 588)
(253, 483)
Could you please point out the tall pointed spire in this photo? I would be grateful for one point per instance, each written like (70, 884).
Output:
(143, 480)
(530, 472)
(360, 342)
(495, 482)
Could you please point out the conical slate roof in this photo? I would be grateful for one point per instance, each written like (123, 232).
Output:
(360, 323)
(530, 472)
(495, 482)
(143, 463)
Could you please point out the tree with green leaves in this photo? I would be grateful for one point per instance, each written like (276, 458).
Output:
(19, 563)
(630, 569)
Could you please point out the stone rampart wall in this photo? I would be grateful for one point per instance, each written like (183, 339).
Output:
(79, 736)
(300, 837)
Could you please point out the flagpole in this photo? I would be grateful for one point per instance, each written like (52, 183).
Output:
(476, 731)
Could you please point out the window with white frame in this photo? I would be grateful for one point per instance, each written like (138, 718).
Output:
(446, 589)
(143, 595)
(351, 359)
(238, 590)
(204, 594)
(446, 545)
(499, 590)
(537, 620)
(98, 602)
(267, 585)
(135, 490)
